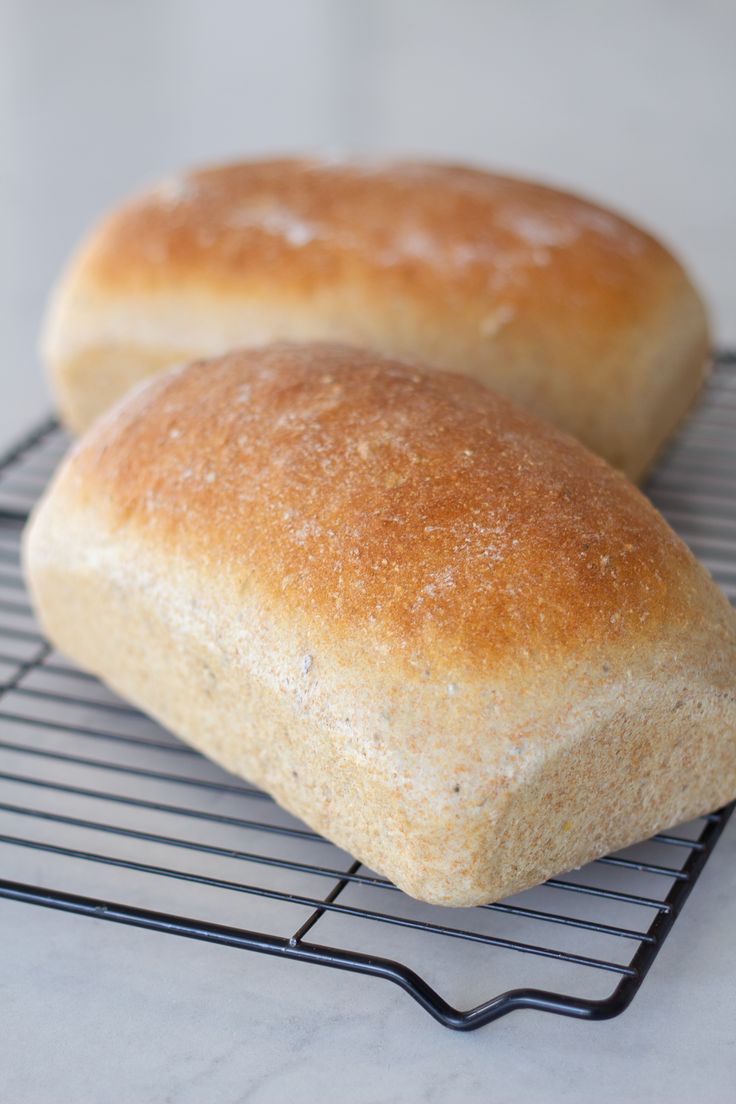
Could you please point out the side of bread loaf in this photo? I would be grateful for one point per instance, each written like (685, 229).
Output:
(440, 631)
(549, 299)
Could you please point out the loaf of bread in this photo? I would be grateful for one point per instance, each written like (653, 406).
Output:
(437, 629)
(556, 303)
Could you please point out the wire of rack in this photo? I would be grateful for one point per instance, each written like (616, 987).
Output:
(104, 814)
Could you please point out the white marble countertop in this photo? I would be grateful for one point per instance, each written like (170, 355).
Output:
(630, 102)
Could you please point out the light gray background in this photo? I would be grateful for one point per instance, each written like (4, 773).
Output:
(631, 101)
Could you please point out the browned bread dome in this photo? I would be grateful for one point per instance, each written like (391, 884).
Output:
(551, 300)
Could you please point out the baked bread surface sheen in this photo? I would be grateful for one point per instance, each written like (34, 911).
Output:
(553, 301)
(431, 625)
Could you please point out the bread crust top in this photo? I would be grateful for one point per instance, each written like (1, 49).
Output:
(408, 509)
(450, 236)
(555, 302)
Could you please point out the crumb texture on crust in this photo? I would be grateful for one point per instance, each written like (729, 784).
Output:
(421, 222)
(403, 504)
(434, 627)
(558, 303)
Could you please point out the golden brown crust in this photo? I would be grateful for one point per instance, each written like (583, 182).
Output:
(394, 502)
(561, 305)
(431, 230)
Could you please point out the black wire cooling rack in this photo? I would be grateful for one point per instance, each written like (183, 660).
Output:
(104, 814)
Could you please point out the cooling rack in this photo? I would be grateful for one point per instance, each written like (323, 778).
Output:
(104, 814)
